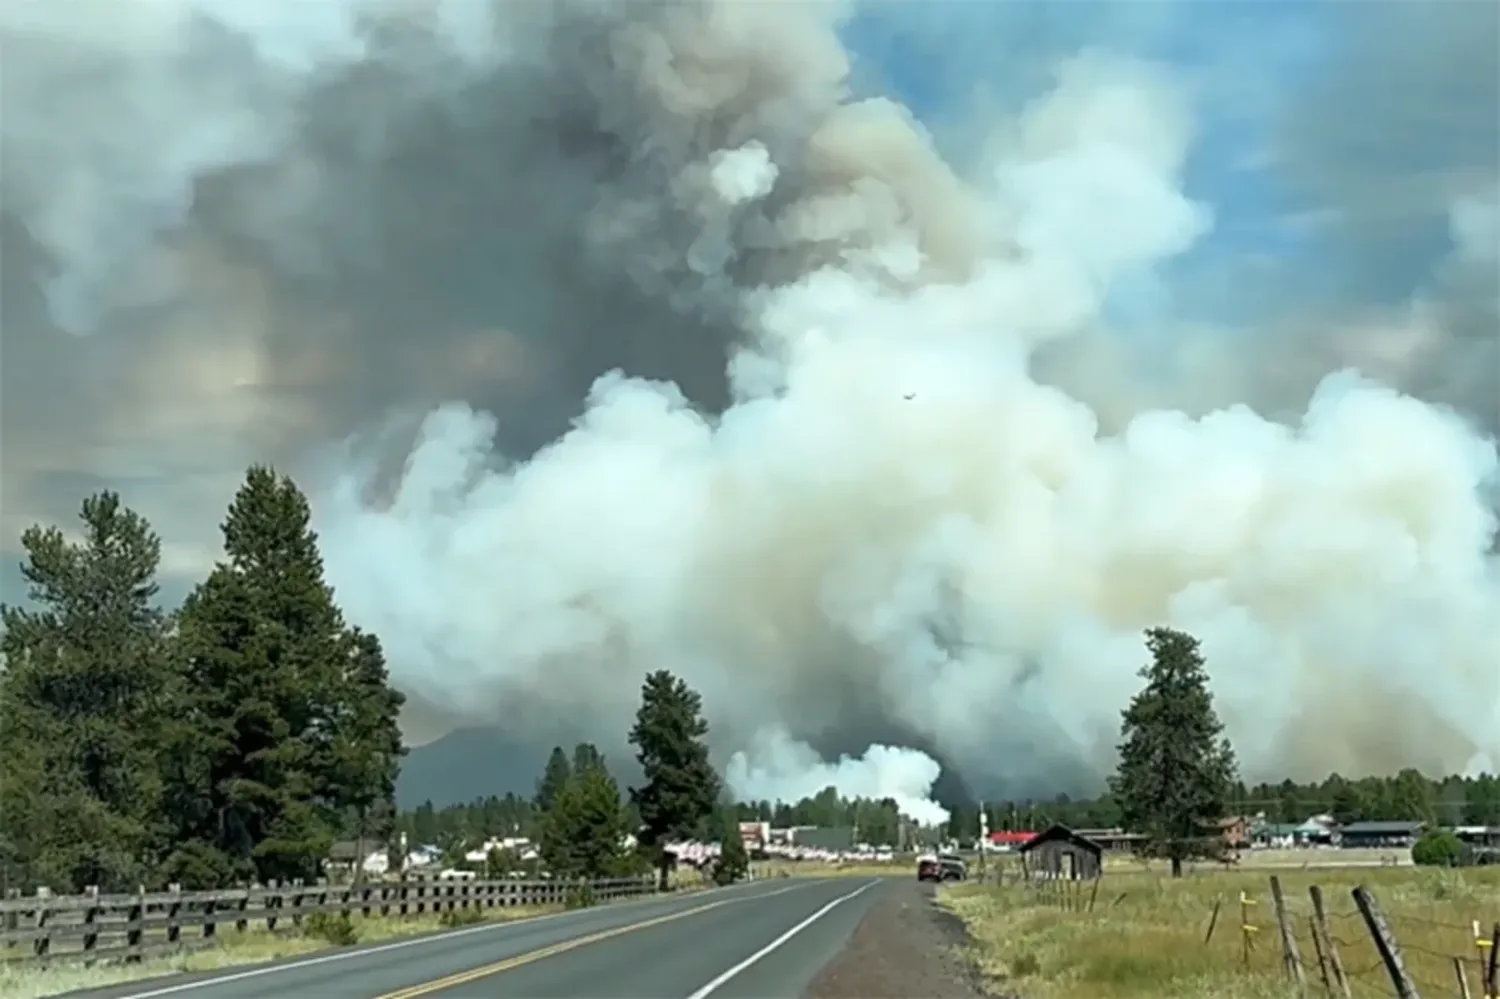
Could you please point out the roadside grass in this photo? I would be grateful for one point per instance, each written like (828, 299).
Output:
(20, 980)
(1145, 938)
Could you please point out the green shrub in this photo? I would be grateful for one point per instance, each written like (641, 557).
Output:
(453, 918)
(336, 928)
(580, 896)
(1438, 849)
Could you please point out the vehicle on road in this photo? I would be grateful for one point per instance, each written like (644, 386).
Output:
(941, 867)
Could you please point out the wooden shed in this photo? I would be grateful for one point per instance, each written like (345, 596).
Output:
(1062, 854)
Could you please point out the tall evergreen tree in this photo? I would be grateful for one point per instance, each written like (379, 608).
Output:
(583, 834)
(586, 756)
(553, 780)
(83, 696)
(681, 788)
(1176, 768)
(364, 742)
(267, 656)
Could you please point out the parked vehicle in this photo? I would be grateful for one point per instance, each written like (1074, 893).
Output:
(954, 867)
(941, 867)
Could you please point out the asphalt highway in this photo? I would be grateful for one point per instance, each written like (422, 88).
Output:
(719, 943)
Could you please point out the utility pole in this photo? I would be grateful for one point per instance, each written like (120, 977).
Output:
(984, 839)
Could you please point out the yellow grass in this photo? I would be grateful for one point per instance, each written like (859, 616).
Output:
(28, 981)
(1144, 938)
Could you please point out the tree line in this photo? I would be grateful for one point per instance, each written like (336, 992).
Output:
(236, 738)
(230, 740)
(1409, 795)
(582, 823)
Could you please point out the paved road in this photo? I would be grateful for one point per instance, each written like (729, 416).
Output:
(685, 947)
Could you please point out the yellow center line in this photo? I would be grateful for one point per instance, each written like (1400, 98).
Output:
(474, 974)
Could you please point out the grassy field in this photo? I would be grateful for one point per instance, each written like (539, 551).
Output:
(1145, 937)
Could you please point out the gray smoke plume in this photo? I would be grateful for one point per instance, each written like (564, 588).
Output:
(623, 336)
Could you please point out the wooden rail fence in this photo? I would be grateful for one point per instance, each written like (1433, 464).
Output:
(98, 927)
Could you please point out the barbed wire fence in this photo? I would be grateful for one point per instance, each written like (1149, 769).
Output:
(1340, 945)
(1359, 949)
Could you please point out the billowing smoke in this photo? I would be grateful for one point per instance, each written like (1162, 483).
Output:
(774, 768)
(622, 337)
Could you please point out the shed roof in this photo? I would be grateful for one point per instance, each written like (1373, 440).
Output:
(1062, 834)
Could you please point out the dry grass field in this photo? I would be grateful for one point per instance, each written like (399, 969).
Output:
(1145, 936)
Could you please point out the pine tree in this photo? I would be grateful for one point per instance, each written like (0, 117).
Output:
(585, 756)
(365, 748)
(83, 696)
(583, 834)
(1176, 769)
(681, 788)
(553, 780)
(734, 861)
(267, 655)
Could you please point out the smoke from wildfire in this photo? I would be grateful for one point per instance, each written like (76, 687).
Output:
(616, 337)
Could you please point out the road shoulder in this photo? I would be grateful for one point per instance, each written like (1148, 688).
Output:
(905, 946)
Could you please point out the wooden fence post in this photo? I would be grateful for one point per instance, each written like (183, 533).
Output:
(12, 917)
(1463, 979)
(1330, 946)
(1385, 943)
(91, 922)
(1492, 970)
(210, 925)
(269, 903)
(174, 915)
(135, 917)
(1291, 954)
(1247, 928)
(1213, 919)
(43, 936)
(1317, 939)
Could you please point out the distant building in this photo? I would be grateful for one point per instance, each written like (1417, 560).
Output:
(1379, 834)
(1006, 841)
(1059, 853)
(1233, 832)
(835, 839)
(1479, 836)
(755, 835)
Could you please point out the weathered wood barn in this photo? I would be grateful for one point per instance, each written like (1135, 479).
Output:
(1062, 854)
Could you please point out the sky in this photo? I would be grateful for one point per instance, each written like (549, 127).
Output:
(222, 241)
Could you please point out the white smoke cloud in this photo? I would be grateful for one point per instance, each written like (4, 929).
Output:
(776, 768)
(893, 530)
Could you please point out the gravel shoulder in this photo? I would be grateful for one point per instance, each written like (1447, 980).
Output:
(905, 948)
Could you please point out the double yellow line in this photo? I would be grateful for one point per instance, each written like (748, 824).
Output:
(474, 974)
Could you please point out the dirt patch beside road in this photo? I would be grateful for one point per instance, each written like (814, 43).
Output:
(906, 948)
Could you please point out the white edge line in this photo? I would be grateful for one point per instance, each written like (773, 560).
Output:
(349, 955)
(708, 989)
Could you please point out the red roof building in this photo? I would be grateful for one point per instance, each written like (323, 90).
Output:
(1011, 840)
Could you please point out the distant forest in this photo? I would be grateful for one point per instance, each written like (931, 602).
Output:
(1407, 795)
